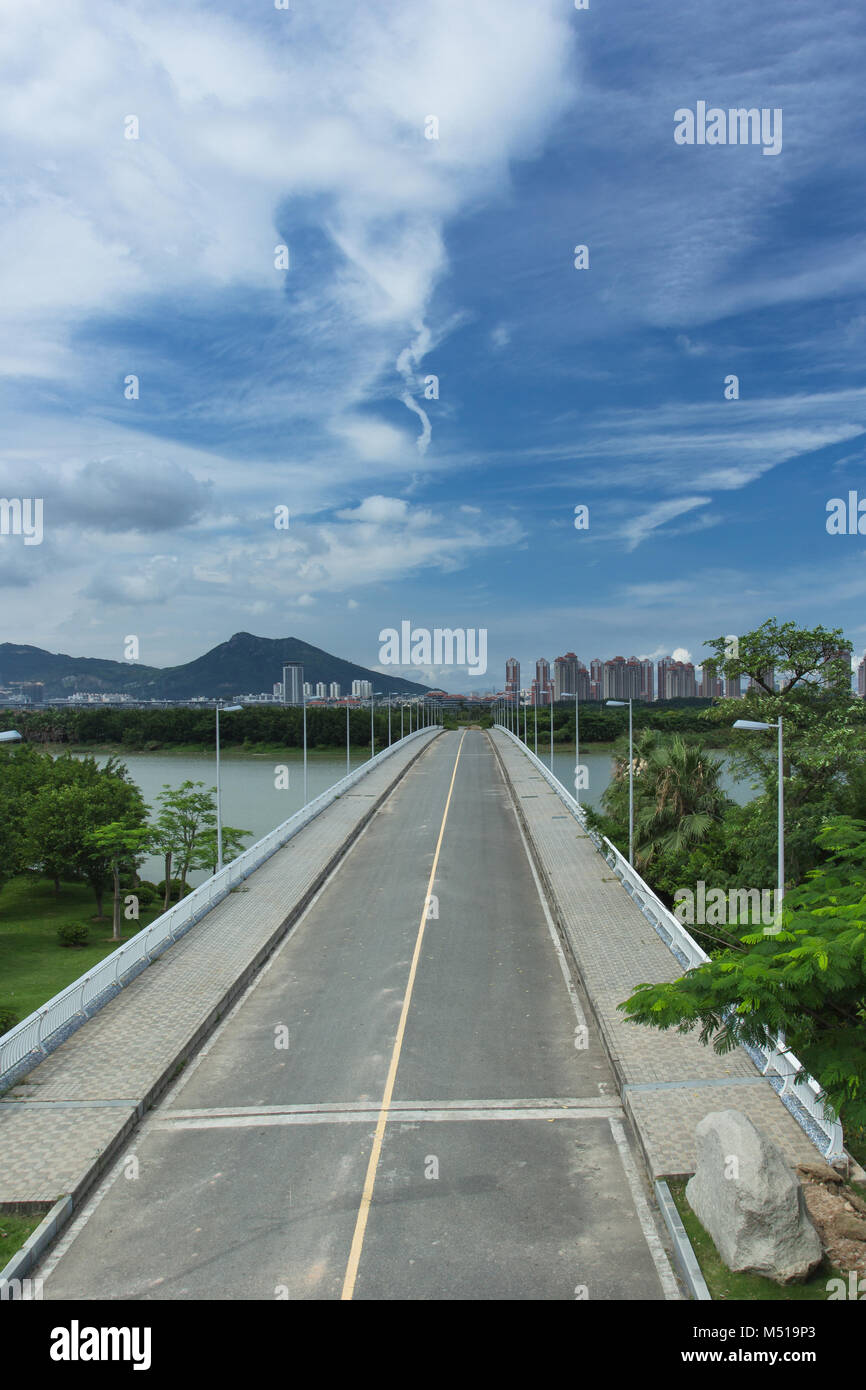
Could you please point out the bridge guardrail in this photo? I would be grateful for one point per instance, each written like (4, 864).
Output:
(81, 999)
(776, 1059)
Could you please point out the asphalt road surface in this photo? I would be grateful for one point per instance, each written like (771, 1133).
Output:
(408, 1102)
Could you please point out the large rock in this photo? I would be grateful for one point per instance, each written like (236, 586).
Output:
(750, 1201)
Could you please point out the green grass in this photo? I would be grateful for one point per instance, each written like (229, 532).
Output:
(14, 1230)
(33, 964)
(725, 1285)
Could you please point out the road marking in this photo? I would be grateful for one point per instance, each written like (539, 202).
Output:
(369, 1182)
(415, 1112)
(152, 1119)
(648, 1226)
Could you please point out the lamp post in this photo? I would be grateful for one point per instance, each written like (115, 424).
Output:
(10, 736)
(373, 695)
(525, 739)
(347, 738)
(226, 709)
(623, 703)
(535, 718)
(780, 848)
(550, 703)
(567, 694)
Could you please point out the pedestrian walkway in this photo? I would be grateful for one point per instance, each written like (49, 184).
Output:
(61, 1124)
(668, 1081)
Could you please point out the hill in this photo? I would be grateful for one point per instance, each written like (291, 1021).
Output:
(244, 665)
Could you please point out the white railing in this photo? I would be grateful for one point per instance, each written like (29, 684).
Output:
(776, 1057)
(32, 1034)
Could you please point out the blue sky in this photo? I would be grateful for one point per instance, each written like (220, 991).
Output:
(411, 257)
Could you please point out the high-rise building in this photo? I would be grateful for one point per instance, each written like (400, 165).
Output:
(621, 679)
(733, 688)
(647, 680)
(564, 675)
(596, 679)
(293, 683)
(861, 677)
(711, 685)
(512, 677)
(544, 689)
(334, 691)
(676, 679)
(308, 690)
(362, 689)
(321, 690)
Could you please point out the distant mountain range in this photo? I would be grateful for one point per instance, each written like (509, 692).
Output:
(244, 665)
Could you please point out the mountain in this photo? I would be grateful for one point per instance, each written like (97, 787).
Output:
(244, 665)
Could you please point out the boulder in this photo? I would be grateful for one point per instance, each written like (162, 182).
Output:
(750, 1201)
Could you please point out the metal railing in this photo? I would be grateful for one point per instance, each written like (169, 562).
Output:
(36, 1035)
(775, 1057)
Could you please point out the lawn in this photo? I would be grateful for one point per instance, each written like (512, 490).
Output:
(15, 1227)
(724, 1285)
(33, 964)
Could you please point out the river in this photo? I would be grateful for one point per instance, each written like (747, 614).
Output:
(252, 799)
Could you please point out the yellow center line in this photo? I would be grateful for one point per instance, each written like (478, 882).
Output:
(369, 1181)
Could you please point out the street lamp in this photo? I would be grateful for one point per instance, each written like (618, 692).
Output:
(550, 705)
(10, 736)
(373, 694)
(567, 694)
(623, 703)
(226, 709)
(780, 851)
(535, 717)
(347, 737)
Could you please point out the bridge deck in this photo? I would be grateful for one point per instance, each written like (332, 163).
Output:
(431, 1130)
(77, 1105)
(669, 1081)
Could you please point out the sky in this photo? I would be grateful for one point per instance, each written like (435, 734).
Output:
(334, 245)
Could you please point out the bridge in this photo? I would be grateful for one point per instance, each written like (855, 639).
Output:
(379, 1057)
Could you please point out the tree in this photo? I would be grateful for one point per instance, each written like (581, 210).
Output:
(808, 981)
(187, 813)
(816, 658)
(677, 797)
(206, 849)
(119, 843)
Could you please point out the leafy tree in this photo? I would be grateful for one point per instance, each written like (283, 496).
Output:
(187, 813)
(206, 848)
(808, 981)
(119, 843)
(816, 658)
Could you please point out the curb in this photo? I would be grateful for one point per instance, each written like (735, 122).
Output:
(62, 1211)
(35, 1246)
(685, 1255)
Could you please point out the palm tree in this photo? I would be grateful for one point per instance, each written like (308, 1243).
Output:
(680, 796)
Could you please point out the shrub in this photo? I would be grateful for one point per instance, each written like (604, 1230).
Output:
(146, 892)
(73, 933)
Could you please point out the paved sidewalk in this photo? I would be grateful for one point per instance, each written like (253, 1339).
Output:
(668, 1081)
(62, 1123)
